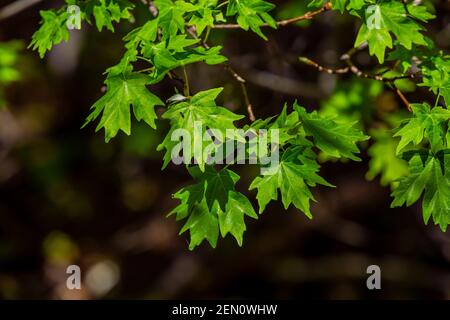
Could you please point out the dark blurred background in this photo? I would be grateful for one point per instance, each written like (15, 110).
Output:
(67, 197)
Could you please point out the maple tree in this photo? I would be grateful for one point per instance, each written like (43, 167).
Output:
(410, 151)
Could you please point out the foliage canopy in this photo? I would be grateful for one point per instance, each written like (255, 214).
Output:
(410, 151)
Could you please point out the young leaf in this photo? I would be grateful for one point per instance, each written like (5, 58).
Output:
(394, 17)
(195, 116)
(106, 12)
(428, 174)
(252, 14)
(53, 30)
(296, 172)
(212, 204)
(333, 138)
(204, 15)
(436, 75)
(170, 17)
(425, 123)
(124, 90)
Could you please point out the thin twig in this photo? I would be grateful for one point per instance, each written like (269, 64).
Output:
(191, 31)
(243, 86)
(322, 68)
(307, 16)
(251, 116)
(242, 83)
(347, 57)
(351, 67)
(205, 39)
(403, 98)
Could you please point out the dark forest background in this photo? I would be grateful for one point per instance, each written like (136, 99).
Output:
(67, 197)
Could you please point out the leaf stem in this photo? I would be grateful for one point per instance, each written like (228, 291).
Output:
(145, 59)
(222, 4)
(146, 69)
(208, 31)
(242, 83)
(186, 83)
(437, 99)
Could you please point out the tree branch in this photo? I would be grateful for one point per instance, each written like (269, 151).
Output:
(351, 67)
(307, 16)
(347, 57)
(322, 68)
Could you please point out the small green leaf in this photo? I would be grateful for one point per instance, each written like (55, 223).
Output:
(428, 174)
(53, 30)
(391, 17)
(426, 123)
(296, 172)
(195, 117)
(124, 90)
(212, 204)
(334, 138)
(252, 14)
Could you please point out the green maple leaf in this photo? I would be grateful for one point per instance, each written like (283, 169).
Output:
(333, 138)
(436, 202)
(106, 12)
(439, 82)
(436, 75)
(204, 15)
(429, 123)
(288, 126)
(176, 52)
(388, 17)
(212, 205)
(147, 32)
(194, 116)
(377, 39)
(428, 174)
(52, 31)
(433, 64)
(170, 16)
(252, 14)
(123, 90)
(232, 219)
(296, 172)
(411, 187)
(418, 55)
